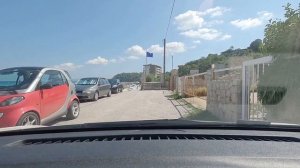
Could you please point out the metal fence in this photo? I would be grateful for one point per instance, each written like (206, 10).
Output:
(252, 108)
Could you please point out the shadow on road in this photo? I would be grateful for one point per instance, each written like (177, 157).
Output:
(62, 119)
(56, 121)
(90, 101)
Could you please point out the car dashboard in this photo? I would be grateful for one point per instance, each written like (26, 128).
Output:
(152, 148)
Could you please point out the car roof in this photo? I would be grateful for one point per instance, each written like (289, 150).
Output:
(93, 77)
(26, 68)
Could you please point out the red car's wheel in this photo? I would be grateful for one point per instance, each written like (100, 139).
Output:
(29, 118)
(74, 110)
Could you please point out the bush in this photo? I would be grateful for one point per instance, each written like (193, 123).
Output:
(201, 91)
(270, 95)
(176, 96)
(148, 79)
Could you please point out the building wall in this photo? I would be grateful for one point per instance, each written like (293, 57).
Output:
(224, 99)
(152, 69)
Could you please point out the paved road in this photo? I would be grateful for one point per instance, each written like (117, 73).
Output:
(126, 106)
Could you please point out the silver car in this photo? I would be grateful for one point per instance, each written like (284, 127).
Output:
(92, 88)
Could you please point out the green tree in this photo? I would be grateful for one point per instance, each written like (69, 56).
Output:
(256, 45)
(282, 36)
(203, 64)
(128, 77)
(148, 78)
(279, 88)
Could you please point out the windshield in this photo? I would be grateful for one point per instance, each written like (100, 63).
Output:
(113, 81)
(195, 60)
(16, 79)
(87, 81)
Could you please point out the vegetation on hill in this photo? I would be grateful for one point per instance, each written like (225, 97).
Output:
(129, 77)
(203, 64)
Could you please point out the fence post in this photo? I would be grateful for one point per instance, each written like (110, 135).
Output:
(213, 72)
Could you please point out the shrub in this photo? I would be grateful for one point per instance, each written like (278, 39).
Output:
(176, 96)
(201, 91)
(270, 95)
(148, 79)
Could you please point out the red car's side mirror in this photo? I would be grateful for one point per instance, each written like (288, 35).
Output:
(46, 86)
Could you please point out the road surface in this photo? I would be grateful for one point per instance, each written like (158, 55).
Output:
(126, 106)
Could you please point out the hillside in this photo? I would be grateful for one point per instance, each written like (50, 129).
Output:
(230, 57)
(128, 77)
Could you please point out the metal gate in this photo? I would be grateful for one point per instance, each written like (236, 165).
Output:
(252, 108)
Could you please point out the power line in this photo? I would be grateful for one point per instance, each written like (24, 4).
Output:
(170, 19)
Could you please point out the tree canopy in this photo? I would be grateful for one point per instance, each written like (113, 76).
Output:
(203, 64)
(128, 77)
(256, 45)
(283, 36)
(279, 85)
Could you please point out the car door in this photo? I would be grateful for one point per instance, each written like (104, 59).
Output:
(99, 87)
(107, 86)
(102, 87)
(53, 98)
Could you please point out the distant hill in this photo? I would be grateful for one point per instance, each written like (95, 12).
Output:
(231, 57)
(128, 77)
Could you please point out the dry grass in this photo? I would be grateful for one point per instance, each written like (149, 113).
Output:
(199, 92)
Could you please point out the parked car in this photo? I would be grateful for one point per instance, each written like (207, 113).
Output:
(92, 88)
(116, 86)
(36, 95)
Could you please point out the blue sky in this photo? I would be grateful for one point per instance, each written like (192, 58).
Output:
(103, 38)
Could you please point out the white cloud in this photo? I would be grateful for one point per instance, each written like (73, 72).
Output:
(122, 59)
(204, 33)
(98, 61)
(216, 11)
(171, 47)
(265, 15)
(133, 57)
(193, 46)
(136, 51)
(195, 19)
(113, 60)
(67, 66)
(156, 49)
(244, 24)
(197, 41)
(189, 20)
(225, 37)
(214, 22)
(193, 25)
(175, 47)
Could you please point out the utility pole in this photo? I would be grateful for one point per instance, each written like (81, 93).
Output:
(172, 62)
(164, 71)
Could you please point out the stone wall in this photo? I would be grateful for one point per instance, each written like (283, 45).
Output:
(151, 86)
(224, 99)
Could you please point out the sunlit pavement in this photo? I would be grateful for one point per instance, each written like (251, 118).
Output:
(126, 106)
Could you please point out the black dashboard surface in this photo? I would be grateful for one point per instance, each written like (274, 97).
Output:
(152, 148)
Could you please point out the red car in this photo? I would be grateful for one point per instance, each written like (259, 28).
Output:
(36, 95)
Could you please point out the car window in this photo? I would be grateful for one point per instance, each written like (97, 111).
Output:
(52, 77)
(87, 81)
(65, 81)
(102, 82)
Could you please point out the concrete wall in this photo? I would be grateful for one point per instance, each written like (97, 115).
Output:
(151, 86)
(173, 79)
(224, 99)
